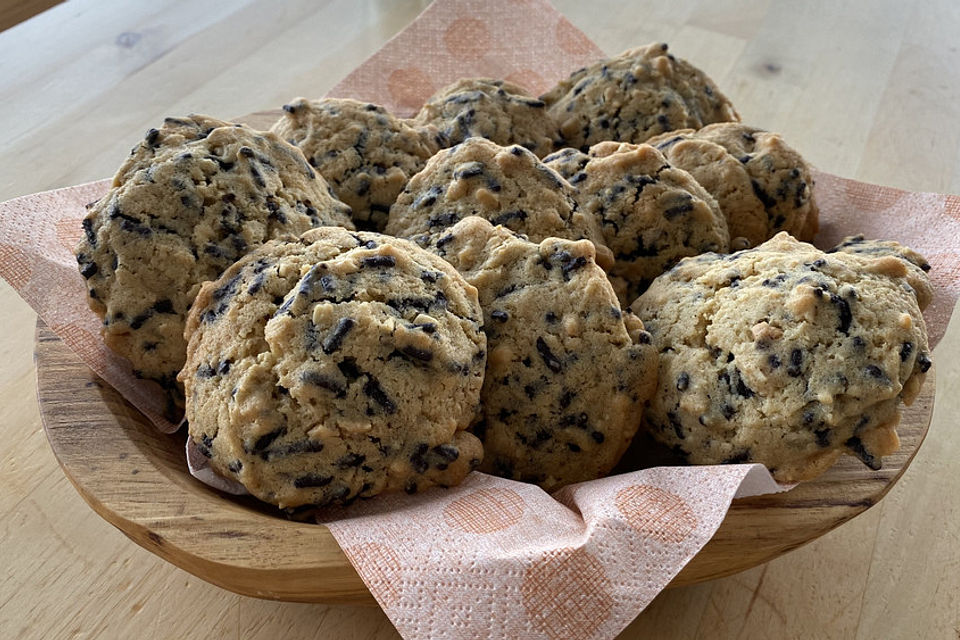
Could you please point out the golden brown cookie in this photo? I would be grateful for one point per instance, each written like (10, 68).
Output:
(762, 185)
(365, 153)
(493, 109)
(651, 213)
(508, 186)
(568, 374)
(784, 355)
(634, 96)
(334, 367)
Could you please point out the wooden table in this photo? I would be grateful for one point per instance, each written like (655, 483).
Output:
(866, 89)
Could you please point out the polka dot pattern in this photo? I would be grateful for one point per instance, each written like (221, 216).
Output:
(566, 594)
(485, 511)
(467, 38)
(409, 87)
(656, 513)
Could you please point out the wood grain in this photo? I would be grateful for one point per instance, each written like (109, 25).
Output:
(137, 480)
(865, 89)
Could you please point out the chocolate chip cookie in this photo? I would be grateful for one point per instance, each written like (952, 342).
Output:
(651, 213)
(917, 265)
(762, 185)
(493, 109)
(365, 153)
(634, 96)
(508, 186)
(192, 198)
(568, 374)
(334, 367)
(784, 355)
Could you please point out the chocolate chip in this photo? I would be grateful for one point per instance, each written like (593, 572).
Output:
(374, 391)
(312, 480)
(683, 381)
(876, 372)
(508, 216)
(379, 261)
(267, 439)
(499, 316)
(88, 231)
(763, 196)
(678, 210)
(334, 339)
(843, 308)
(323, 381)
(351, 460)
(552, 362)
(468, 170)
(294, 448)
(923, 361)
(774, 361)
(855, 445)
(743, 389)
(163, 306)
(796, 359)
(423, 355)
(446, 452)
(905, 350)
(139, 320)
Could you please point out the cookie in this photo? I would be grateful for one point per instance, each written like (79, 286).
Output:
(336, 367)
(192, 198)
(365, 153)
(784, 355)
(508, 186)
(917, 265)
(634, 96)
(568, 374)
(651, 213)
(762, 185)
(493, 109)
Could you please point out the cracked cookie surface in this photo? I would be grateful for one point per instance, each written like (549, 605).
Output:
(651, 214)
(634, 96)
(784, 355)
(334, 367)
(568, 373)
(193, 197)
(365, 153)
(508, 186)
(497, 110)
(762, 185)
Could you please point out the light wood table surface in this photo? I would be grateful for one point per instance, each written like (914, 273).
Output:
(867, 89)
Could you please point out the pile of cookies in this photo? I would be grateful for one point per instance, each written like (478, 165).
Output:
(355, 303)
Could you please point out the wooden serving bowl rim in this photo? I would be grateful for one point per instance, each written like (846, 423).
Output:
(136, 478)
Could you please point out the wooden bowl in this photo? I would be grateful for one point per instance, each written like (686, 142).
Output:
(136, 478)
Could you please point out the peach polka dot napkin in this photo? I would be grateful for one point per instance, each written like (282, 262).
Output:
(493, 558)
